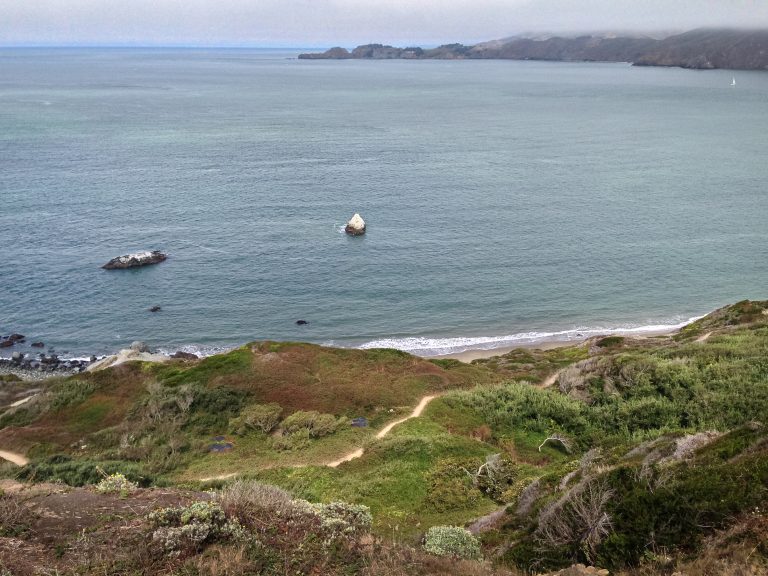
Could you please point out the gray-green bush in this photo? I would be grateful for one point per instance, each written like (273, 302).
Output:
(452, 541)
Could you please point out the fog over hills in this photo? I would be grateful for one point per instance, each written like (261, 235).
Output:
(351, 22)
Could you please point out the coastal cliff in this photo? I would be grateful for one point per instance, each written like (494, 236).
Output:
(698, 49)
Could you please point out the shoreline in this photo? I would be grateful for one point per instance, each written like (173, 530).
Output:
(467, 356)
(66, 367)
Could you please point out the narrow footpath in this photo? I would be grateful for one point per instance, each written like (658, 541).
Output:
(355, 453)
(552, 378)
(17, 459)
(386, 430)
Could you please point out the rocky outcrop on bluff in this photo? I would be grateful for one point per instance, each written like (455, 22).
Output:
(138, 351)
(136, 259)
(701, 49)
(355, 226)
(367, 52)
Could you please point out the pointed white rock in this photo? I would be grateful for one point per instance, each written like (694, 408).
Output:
(355, 226)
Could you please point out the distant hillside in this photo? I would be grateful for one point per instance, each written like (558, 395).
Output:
(708, 49)
(699, 49)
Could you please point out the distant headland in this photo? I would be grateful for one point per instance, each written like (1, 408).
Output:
(701, 49)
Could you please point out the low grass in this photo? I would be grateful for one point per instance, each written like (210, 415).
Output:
(393, 479)
(309, 377)
(255, 452)
(157, 422)
(376, 384)
(739, 314)
(528, 365)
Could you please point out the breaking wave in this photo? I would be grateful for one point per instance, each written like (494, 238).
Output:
(424, 346)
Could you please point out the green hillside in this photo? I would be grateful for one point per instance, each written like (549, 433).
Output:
(632, 454)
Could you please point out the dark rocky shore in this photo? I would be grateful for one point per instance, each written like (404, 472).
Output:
(30, 367)
(702, 49)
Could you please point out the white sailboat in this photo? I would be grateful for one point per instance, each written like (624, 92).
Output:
(733, 82)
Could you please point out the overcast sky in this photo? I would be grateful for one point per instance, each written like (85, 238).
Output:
(349, 22)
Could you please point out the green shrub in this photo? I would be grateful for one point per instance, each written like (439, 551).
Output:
(452, 541)
(450, 487)
(341, 520)
(69, 392)
(678, 509)
(610, 342)
(237, 361)
(317, 424)
(63, 468)
(297, 440)
(212, 408)
(263, 417)
(19, 416)
(495, 476)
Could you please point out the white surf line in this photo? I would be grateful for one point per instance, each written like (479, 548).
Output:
(386, 430)
(17, 459)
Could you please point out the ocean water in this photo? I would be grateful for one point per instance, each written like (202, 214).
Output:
(506, 201)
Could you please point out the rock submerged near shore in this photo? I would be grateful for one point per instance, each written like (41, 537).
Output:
(136, 259)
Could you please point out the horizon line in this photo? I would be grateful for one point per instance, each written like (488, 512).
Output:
(325, 46)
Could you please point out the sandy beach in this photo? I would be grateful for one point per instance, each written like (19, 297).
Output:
(478, 354)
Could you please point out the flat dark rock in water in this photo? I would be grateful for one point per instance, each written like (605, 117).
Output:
(38, 345)
(155, 309)
(134, 260)
(301, 322)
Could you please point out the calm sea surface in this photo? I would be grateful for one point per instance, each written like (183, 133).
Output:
(506, 201)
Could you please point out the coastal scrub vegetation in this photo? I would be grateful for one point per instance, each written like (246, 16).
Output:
(630, 454)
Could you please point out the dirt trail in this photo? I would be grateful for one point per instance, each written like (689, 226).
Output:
(551, 379)
(22, 401)
(17, 459)
(386, 430)
(355, 453)
(704, 337)
(219, 477)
